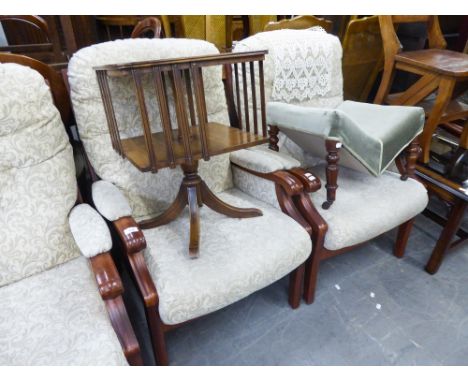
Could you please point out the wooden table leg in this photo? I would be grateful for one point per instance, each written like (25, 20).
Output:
(443, 244)
(194, 212)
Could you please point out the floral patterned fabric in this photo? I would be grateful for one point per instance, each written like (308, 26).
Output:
(148, 194)
(237, 258)
(57, 317)
(37, 177)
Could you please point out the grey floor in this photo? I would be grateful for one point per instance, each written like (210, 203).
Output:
(370, 309)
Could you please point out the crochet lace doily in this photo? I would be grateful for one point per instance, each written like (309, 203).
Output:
(302, 66)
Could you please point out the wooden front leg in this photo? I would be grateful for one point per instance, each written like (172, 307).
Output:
(333, 157)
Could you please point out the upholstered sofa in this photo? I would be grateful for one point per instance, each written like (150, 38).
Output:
(54, 301)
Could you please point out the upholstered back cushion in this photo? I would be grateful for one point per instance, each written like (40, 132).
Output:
(37, 177)
(147, 193)
(313, 60)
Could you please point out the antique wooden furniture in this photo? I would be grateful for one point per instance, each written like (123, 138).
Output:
(300, 22)
(191, 140)
(362, 57)
(239, 256)
(366, 206)
(148, 24)
(453, 192)
(47, 48)
(440, 70)
(47, 288)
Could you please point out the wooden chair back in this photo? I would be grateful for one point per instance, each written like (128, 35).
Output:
(300, 22)
(46, 45)
(148, 24)
(392, 44)
(362, 57)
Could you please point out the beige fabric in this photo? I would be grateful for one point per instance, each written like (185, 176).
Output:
(367, 206)
(37, 177)
(57, 317)
(89, 230)
(148, 193)
(109, 201)
(237, 258)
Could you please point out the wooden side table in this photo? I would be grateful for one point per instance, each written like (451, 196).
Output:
(194, 137)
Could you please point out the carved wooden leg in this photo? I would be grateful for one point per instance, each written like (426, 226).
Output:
(273, 133)
(443, 98)
(170, 214)
(412, 153)
(194, 221)
(404, 231)
(453, 222)
(296, 281)
(332, 148)
(157, 336)
(216, 204)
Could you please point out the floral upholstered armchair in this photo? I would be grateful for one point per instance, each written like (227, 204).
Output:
(304, 90)
(238, 256)
(51, 310)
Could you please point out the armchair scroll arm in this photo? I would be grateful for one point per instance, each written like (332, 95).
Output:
(93, 238)
(112, 204)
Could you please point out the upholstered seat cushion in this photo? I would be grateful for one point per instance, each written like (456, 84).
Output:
(366, 206)
(237, 258)
(374, 134)
(57, 317)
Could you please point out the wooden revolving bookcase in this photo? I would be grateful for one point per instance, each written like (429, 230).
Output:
(194, 137)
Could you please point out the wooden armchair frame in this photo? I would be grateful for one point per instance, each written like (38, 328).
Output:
(406, 163)
(300, 22)
(105, 272)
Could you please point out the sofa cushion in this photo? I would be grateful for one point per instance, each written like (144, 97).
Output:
(57, 317)
(37, 177)
(148, 193)
(237, 258)
(366, 206)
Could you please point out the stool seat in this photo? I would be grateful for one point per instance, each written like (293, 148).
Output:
(373, 134)
(442, 61)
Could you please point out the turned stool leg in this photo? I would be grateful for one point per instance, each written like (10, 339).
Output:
(332, 148)
(273, 133)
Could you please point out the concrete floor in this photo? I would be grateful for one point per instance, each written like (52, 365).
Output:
(370, 309)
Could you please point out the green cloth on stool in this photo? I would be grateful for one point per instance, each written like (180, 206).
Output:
(373, 134)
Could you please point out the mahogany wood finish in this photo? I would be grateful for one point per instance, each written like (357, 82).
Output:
(195, 137)
(47, 49)
(439, 70)
(149, 24)
(332, 148)
(107, 277)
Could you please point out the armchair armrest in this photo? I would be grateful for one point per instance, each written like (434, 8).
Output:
(94, 241)
(263, 160)
(112, 204)
(89, 231)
